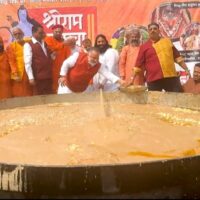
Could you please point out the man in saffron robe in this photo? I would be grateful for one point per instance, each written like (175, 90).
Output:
(157, 57)
(79, 69)
(128, 57)
(20, 83)
(5, 87)
(61, 50)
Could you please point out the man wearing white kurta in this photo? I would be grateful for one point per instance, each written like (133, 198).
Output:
(78, 71)
(109, 57)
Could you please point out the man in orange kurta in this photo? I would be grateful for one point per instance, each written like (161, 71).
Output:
(20, 83)
(61, 51)
(5, 87)
(128, 57)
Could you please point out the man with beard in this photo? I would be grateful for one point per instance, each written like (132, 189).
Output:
(5, 87)
(193, 84)
(20, 83)
(128, 57)
(109, 58)
(78, 70)
(156, 57)
(61, 50)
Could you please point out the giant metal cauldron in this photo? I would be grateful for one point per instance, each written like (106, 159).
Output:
(177, 178)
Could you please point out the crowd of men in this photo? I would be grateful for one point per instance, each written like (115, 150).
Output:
(55, 65)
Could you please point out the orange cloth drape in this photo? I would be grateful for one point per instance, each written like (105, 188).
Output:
(62, 53)
(5, 85)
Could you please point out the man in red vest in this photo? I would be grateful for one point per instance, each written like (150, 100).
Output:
(78, 70)
(38, 62)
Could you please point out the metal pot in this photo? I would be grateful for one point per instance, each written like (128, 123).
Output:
(176, 178)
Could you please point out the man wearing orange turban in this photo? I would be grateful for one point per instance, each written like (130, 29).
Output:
(61, 51)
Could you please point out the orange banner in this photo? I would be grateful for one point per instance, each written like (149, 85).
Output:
(86, 18)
